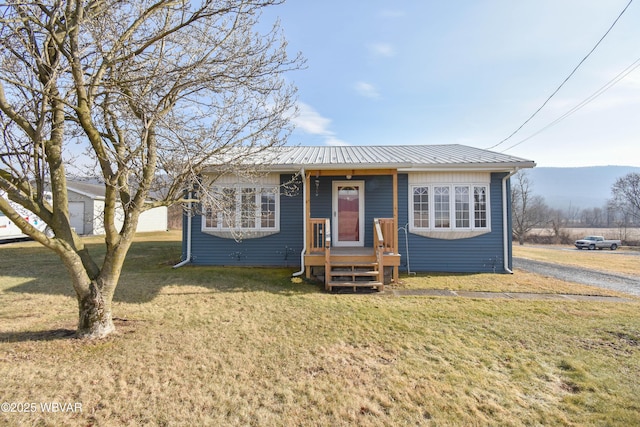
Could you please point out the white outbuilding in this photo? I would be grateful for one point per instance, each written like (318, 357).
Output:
(86, 211)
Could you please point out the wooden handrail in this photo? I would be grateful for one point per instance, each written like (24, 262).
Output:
(377, 231)
(327, 233)
(384, 235)
(327, 252)
(378, 248)
(387, 226)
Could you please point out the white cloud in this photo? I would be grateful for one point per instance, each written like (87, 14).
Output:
(382, 49)
(331, 140)
(367, 90)
(311, 122)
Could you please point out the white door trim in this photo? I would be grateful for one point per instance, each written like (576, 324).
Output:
(335, 217)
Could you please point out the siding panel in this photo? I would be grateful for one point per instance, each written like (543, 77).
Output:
(281, 249)
(473, 255)
(378, 199)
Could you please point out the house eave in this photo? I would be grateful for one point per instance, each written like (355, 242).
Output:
(400, 167)
(400, 158)
(469, 167)
(91, 196)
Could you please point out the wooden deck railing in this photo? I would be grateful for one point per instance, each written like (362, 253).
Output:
(383, 242)
(319, 230)
(387, 227)
(319, 241)
(378, 248)
(317, 233)
(327, 251)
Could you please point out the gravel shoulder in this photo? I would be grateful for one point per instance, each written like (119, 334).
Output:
(616, 282)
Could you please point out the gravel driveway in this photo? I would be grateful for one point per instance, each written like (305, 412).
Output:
(616, 282)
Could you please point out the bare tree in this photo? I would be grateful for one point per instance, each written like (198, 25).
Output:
(153, 90)
(557, 222)
(528, 210)
(593, 217)
(626, 196)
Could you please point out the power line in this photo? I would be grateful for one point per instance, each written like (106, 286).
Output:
(586, 101)
(565, 80)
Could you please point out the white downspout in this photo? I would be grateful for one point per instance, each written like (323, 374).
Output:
(187, 258)
(505, 230)
(304, 224)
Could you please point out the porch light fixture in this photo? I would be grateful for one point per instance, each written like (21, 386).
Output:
(317, 183)
(348, 176)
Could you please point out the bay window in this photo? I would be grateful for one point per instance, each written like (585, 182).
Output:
(242, 208)
(441, 207)
(421, 207)
(455, 207)
(480, 206)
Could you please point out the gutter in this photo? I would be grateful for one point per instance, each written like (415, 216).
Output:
(304, 223)
(505, 231)
(187, 258)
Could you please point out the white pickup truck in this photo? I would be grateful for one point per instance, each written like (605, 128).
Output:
(597, 242)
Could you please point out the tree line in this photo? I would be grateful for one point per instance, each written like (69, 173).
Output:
(530, 211)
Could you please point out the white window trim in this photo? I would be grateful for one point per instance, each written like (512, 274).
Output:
(245, 232)
(451, 232)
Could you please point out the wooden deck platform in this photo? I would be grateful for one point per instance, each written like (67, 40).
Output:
(350, 267)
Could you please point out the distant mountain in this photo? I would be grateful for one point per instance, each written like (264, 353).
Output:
(582, 188)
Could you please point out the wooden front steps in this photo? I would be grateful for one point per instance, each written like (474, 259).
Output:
(353, 274)
(349, 267)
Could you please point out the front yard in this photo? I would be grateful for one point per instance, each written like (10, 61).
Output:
(231, 346)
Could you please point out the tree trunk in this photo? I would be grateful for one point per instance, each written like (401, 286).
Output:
(94, 313)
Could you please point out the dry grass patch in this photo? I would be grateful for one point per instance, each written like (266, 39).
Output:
(623, 261)
(214, 346)
(520, 281)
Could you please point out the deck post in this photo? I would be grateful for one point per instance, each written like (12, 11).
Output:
(327, 254)
(395, 223)
(307, 203)
(378, 247)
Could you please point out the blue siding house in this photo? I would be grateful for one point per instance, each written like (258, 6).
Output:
(355, 216)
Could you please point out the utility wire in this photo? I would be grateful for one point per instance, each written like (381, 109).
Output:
(624, 73)
(565, 80)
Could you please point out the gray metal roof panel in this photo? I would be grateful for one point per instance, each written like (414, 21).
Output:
(400, 157)
(89, 189)
(410, 156)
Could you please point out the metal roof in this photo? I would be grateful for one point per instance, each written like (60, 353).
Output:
(401, 157)
(96, 190)
(88, 189)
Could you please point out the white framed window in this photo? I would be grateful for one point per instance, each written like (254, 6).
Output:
(462, 206)
(421, 207)
(243, 208)
(449, 207)
(441, 207)
(480, 207)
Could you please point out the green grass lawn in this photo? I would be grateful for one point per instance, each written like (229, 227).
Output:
(239, 346)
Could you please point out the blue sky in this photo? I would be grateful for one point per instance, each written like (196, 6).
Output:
(468, 72)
